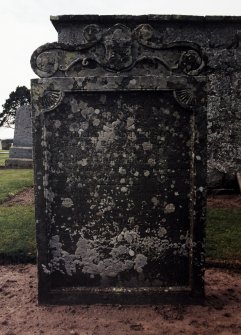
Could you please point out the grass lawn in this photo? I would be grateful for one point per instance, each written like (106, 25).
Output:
(17, 230)
(13, 181)
(3, 156)
(223, 234)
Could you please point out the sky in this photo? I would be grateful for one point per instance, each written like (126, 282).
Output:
(25, 25)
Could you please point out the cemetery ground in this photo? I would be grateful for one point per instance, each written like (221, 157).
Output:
(20, 313)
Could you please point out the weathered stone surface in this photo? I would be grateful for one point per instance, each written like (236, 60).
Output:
(20, 154)
(119, 124)
(219, 38)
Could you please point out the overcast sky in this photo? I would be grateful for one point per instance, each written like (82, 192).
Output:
(25, 25)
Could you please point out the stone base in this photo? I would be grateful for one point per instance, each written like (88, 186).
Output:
(20, 152)
(20, 163)
(20, 157)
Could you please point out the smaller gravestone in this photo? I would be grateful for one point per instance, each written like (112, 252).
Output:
(6, 144)
(20, 154)
(1, 145)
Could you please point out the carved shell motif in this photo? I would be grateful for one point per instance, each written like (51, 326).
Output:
(186, 97)
(50, 100)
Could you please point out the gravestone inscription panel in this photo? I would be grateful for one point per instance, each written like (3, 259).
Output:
(119, 125)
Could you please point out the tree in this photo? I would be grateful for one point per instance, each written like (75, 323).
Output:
(17, 98)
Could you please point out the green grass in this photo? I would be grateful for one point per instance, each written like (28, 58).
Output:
(13, 181)
(223, 234)
(17, 230)
(3, 157)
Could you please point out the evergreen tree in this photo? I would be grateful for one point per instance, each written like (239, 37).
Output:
(17, 98)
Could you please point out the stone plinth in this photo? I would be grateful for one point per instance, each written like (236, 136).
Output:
(119, 125)
(20, 154)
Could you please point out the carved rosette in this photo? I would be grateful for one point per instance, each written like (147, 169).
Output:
(191, 62)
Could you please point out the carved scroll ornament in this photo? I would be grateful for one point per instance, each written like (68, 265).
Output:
(117, 49)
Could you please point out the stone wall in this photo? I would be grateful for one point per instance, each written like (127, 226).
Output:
(219, 39)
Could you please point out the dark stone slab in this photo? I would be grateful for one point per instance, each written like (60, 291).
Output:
(119, 125)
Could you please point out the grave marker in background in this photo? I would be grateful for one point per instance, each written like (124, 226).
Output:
(6, 144)
(20, 154)
(119, 125)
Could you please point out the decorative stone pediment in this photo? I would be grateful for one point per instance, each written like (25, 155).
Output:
(118, 48)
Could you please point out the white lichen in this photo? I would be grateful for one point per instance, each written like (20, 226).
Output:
(169, 208)
(67, 202)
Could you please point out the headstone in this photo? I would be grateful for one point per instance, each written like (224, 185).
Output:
(20, 154)
(1, 145)
(119, 125)
(6, 144)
